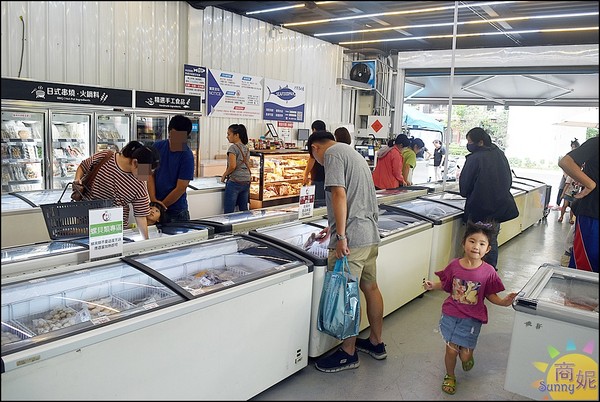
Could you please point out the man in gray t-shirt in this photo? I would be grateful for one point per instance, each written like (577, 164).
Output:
(352, 213)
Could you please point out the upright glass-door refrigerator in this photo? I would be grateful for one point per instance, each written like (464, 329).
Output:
(113, 131)
(153, 111)
(23, 150)
(48, 128)
(70, 144)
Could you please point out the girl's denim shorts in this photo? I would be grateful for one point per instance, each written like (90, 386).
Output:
(460, 331)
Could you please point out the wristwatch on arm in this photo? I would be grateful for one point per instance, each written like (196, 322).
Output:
(340, 237)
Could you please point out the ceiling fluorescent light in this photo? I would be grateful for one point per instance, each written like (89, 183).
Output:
(442, 24)
(473, 34)
(300, 5)
(268, 10)
(404, 12)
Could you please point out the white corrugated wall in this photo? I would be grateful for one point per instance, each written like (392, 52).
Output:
(144, 45)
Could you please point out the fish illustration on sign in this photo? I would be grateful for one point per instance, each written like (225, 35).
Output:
(284, 93)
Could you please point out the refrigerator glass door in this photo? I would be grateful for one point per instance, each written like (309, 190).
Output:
(11, 202)
(218, 264)
(302, 236)
(22, 151)
(150, 128)
(455, 200)
(561, 293)
(46, 196)
(391, 222)
(194, 143)
(206, 183)
(53, 307)
(40, 250)
(70, 145)
(112, 132)
(429, 209)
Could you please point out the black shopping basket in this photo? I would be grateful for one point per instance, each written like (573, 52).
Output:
(68, 220)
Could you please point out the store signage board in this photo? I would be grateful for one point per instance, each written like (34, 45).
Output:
(106, 233)
(41, 91)
(307, 202)
(194, 81)
(234, 95)
(167, 101)
(284, 101)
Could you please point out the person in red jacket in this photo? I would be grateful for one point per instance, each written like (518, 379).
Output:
(388, 170)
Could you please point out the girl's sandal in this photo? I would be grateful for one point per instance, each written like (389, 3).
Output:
(449, 384)
(468, 365)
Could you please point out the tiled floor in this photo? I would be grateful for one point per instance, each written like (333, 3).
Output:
(414, 368)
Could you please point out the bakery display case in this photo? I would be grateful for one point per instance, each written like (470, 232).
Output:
(276, 176)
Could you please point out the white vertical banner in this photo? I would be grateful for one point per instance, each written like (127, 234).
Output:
(106, 232)
(307, 202)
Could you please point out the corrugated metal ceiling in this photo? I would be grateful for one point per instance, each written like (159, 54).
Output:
(413, 26)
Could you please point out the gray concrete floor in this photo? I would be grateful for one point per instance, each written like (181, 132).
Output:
(414, 368)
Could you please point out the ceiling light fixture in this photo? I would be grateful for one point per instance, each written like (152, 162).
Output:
(404, 12)
(300, 5)
(442, 24)
(471, 34)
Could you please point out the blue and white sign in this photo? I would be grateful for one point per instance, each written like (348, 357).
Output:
(194, 80)
(284, 101)
(233, 95)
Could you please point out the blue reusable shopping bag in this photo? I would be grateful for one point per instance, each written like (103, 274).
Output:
(339, 306)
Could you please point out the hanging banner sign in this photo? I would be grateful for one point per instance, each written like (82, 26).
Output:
(194, 81)
(284, 101)
(233, 95)
(164, 101)
(106, 233)
(40, 91)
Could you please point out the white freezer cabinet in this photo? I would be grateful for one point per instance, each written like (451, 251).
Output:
(186, 312)
(399, 283)
(554, 345)
(244, 221)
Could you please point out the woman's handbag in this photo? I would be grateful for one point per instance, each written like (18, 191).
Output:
(339, 307)
(81, 190)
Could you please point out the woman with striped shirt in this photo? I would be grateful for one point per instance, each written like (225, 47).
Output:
(122, 178)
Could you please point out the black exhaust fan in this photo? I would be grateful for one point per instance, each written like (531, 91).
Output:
(360, 72)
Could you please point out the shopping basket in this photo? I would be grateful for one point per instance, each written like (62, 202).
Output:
(67, 220)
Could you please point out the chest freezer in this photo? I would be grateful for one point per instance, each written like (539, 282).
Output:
(447, 197)
(184, 312)
(514, 227)
(399, 283)
(447, 230)
(554, 345)
(205, 196)
(47, 256)
(244, 221)
(535, 203)
(400, 194)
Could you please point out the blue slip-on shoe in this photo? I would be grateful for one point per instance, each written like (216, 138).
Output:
(376, 351)
(337, 361)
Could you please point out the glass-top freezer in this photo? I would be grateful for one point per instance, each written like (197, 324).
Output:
(399, 194)
(391, 221)
(448, 198)
(243, 221)
(46, 309)
(53, 306)
(435, 212)
(11, 202)
(206, 183)
(218, 263)
(39, 250)
(561, 293)
(31, 199)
